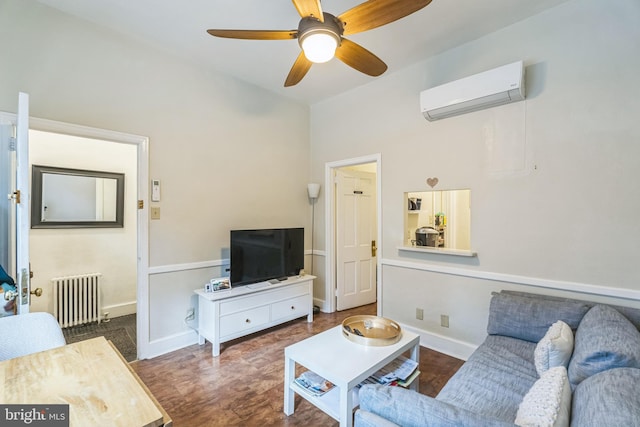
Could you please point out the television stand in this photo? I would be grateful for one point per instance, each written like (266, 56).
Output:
(230, 314)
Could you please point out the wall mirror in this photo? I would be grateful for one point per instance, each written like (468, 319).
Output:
(75, 198)
(438, 219)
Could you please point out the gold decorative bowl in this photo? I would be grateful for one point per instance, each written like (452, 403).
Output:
(371, 330)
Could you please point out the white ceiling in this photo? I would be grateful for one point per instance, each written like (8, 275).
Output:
(180, 27)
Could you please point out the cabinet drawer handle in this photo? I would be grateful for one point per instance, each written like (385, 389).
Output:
(248, 321)
(293, 307)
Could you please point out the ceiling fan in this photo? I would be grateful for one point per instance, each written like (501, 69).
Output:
(320, 34)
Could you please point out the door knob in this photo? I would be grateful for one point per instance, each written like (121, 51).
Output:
(37, 292)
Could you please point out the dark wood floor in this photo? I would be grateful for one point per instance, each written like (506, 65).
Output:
(244, 385)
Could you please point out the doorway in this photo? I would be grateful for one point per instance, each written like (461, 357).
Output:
(107, 251)
(139, 178)
(353, 265)
(136, 149)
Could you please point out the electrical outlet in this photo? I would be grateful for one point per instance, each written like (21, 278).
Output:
(419, 314)
(191, 314)
(444, 320)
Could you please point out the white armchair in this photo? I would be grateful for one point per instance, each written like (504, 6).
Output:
(29, 333)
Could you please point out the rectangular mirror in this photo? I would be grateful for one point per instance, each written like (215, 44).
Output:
(76, 198)
(438, 219)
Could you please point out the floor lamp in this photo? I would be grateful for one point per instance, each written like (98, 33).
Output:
(313, 190)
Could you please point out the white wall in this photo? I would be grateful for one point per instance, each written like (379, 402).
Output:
(554, 180)
(228, 154)
(56, 252)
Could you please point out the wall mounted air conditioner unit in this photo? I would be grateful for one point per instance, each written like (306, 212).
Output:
(499, 86)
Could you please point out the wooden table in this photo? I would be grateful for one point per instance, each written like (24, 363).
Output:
(91, 376)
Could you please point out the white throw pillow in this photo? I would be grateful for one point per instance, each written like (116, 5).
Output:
(555, 348)
(548, 402)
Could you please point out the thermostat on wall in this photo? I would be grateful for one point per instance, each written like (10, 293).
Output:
(155, 190)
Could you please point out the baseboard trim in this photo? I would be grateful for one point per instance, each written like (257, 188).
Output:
(440, 343)
(324, 307)
(584, 288)
(117, 310)
(168, 344)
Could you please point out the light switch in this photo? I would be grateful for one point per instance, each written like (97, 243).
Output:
(155, 212)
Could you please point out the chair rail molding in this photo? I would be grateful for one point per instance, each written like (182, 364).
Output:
(605, 291)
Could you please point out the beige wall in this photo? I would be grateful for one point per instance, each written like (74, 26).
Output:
(228, 154)
(554, 180)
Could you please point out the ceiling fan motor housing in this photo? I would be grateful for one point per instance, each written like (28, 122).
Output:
(310, 25)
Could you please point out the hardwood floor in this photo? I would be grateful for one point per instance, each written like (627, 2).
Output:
(244, 385)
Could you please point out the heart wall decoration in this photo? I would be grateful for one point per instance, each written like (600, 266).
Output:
(432, 182)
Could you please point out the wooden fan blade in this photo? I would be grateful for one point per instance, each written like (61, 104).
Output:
(298, 71)
(309, 8)
(375, 13)
(255, 34)
(360, 58)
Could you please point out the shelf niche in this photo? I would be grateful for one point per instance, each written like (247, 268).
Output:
(447, 211)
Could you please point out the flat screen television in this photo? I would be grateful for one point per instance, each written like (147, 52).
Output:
(261, 255)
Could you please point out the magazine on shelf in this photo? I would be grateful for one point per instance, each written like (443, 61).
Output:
(313, 383)
(401, 371)
(408, 381)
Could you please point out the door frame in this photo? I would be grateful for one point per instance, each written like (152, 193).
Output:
(142, 144)
(330, 227)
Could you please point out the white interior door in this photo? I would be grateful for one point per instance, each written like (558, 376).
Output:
(23, 271)
(355, 239)
(7, 212)
(15, 217)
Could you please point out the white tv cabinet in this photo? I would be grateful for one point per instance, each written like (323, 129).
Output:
(230, 314)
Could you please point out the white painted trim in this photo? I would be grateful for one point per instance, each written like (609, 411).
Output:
(118, 310)
(440, 251)
(330, 224)
(171, 268)
(170, 343)
(520, 280)
(324, 307)
(142, 144)
(85, 131)
(440, 343)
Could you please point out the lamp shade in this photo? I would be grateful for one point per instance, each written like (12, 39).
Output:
(313, 190)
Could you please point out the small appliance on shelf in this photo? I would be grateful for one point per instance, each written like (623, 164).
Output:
(427, 236)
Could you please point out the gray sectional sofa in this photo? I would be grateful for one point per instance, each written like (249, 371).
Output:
(598, 386)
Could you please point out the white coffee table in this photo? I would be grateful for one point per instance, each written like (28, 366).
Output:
(345, 363)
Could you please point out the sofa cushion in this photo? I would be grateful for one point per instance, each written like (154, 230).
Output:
(609, 398)
(364, 418)
(604, 340)
(548, 403)
(529, 318)
(633, 314)
(407, 408)
(494, 379)
(555, 348)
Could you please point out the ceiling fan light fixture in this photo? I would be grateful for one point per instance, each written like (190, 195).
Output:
(319, 46)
